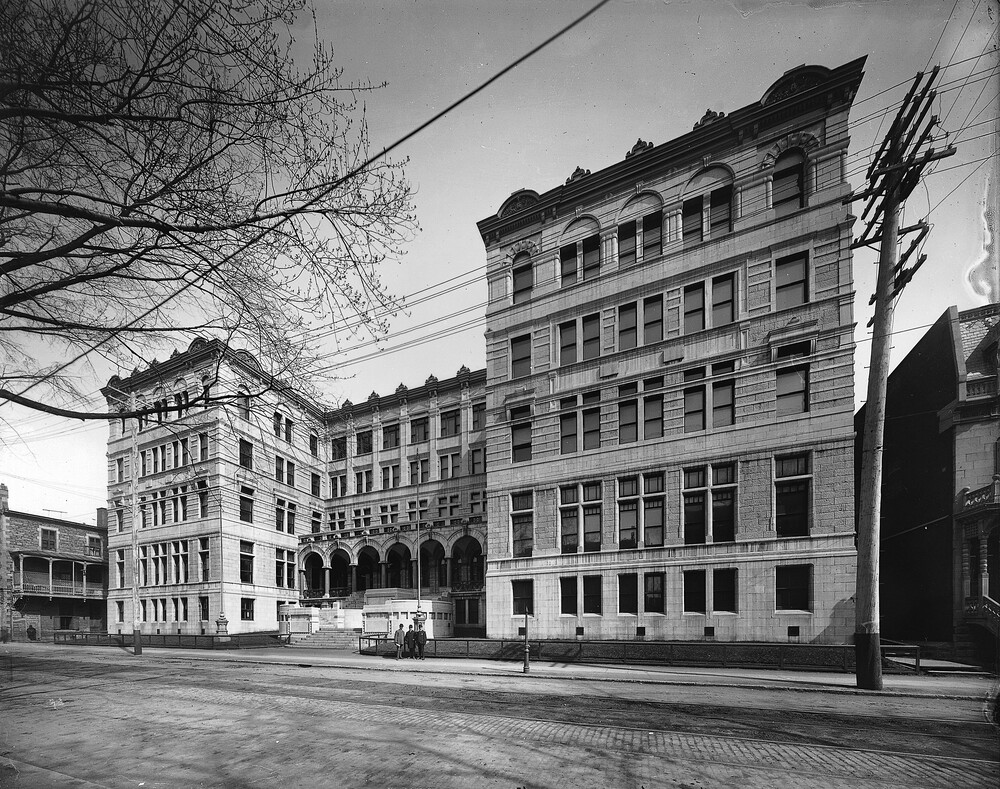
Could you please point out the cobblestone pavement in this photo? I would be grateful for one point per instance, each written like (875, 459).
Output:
(71, 718)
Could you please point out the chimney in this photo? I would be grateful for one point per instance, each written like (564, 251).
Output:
(3, 498)
(102, 518)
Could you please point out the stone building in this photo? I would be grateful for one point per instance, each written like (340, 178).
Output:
(260, 497)
(53, 574)
(222, 491)
(940, 519)
(670, 384)
(406, 469)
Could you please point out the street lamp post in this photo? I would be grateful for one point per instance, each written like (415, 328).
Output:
(527, 650)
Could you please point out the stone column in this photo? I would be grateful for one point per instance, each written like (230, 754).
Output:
(303, 582)
(768, 191)
(384, 573)
(984, 567)
(413, 572)
(354, 578)
(327, 572)
(966, 571)
(447, 572)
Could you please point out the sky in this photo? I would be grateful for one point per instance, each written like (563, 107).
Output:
(634, 69)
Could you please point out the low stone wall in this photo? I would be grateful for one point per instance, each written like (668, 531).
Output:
(176, 641)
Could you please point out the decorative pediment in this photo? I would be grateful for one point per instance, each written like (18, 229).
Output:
(640, 146)
(797, 80)
(579, 172)
(710, 116)
(518, 201)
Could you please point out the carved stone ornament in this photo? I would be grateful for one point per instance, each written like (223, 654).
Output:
(795, 84)
(579, 172)
(373, 396)
(710, 116)
(518, 203)
(402, 389)
(803, 140)
(640, 146)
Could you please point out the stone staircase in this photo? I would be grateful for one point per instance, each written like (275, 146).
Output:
(328, 638)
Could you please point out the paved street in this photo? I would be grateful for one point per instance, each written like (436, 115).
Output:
(88, 717)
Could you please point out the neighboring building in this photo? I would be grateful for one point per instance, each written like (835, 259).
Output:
(265, 498)
(670, 384)
(940, 520)
(222, 492)
(53, 574)
(415, 457)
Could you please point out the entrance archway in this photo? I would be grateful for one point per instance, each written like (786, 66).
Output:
(313, 566)
(433, 573)
(398, 566)
(467, 564)
(368, 572)
(340, 573)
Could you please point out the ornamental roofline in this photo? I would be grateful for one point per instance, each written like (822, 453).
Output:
(797, 92)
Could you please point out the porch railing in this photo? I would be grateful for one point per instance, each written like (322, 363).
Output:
(986, 610)
(94, 590)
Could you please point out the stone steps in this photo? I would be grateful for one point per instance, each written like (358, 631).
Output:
(328, 639)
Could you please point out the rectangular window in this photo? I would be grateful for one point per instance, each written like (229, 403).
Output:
(420, 470)
(694, 409)
(592, 518)
(520, 356)
(363, 442)
(627, 326)
(451, 423)
(652, 417)
(568, 431)
(628, 593)
(338, 448)
(203, 446)
(569, 526)
(591, 336)
(568, 596)
(653, 593)
(203, 609)
(787, 185)
(567, 343)
(314, 484)
(793, 587)
(49, 539)
(723, 515)
(724, 589)
(523, 282)
(652, 320)
(723, 403)
(246, 562)
(478, 416)
(694, 308)
(694, 518)
(723, 300)
(419, 430)
(694, 591)
(628, 421)
(720, 212)
(792, 391)
(791, 495)
(591, 257)
(523, 593)
(477, 461)
(390, 436)
(120, 606)
(246, 609)
(246, 505)
(691, 223)
(316, 522)
(592, 594)
(592, 421)
(522, 523)
(626, 244)
(314, 445)
(628, 512)
(652, 522)
(790, 286)
(568, 264)
(279, 469)
(652, 235)
(520, 434)
(204, 566)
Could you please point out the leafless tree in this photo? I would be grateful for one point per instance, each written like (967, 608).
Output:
(179, 167)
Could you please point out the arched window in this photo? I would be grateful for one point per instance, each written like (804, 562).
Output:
(707, 209)
(788, 183)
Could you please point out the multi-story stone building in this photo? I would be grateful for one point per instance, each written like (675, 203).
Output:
(53, 574)
(258, 497)
(670, 384)
(406, 469)
(940, 519)
(221, 490)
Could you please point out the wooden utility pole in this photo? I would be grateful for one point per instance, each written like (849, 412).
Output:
(893, 174)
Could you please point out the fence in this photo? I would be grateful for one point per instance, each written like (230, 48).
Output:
(833, 657)
(175, 640)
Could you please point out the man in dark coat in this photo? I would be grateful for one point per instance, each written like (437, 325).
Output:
(410, 643)
(421, 640)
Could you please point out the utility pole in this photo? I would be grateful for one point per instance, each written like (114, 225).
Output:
(894, 173)
(134, 496)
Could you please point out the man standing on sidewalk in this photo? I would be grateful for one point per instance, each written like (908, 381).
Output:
(410, 643)
(398, 641)
(421, 641)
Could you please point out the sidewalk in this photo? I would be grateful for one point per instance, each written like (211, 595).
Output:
(959, 686)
